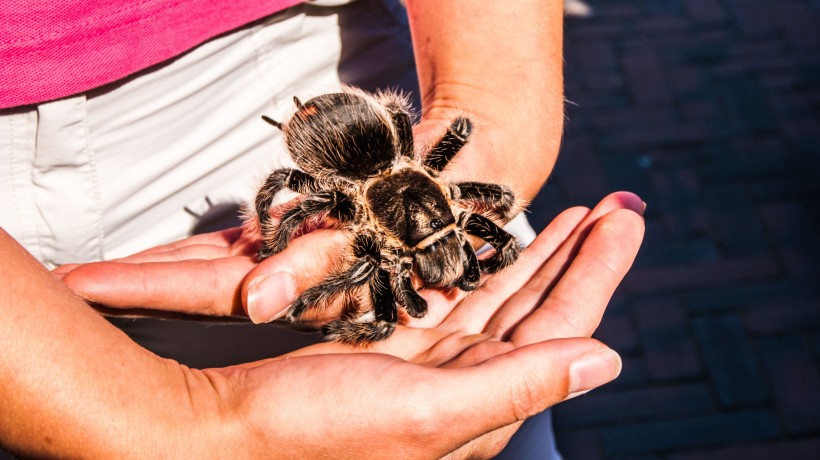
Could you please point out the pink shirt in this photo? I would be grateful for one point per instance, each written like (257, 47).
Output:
(51, 49)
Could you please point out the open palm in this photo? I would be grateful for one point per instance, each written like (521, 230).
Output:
(558, 289)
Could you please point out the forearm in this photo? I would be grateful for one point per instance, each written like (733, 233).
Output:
(74, 386)
(501, 62)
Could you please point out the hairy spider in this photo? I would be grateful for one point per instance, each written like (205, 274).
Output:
(358, 171)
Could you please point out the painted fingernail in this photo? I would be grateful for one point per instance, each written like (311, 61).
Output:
(593, 370)
(269, 297)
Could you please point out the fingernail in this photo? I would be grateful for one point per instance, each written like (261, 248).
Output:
(269, 297)
(643, 207)
(593, 370)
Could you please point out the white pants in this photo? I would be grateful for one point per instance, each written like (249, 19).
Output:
(163, 154)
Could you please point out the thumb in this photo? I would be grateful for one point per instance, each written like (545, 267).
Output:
(519, 384)
(277, 281)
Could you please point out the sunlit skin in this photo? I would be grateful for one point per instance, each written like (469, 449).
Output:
(558, 289)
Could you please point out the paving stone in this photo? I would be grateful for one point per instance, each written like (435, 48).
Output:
(595, 55)
(688, 433)
(729, 360)
(797, 450)
(694, 132)
(736, 220)
(687, 81)
(802, 184)
(596, 30)
(705, 10)
(664, 7)
(621, 406)
(603, 81)
(691, 251)
(638, 118)
(633, 373)
(785, 316)
(626, 171)
(700, 110)
(646, 78)
(789, 225)
(580, 167)
(695, 276)
(617, 332)
(797, 24)
(746, 107)
(670, 351)
(795, 381)
(739, 296)
(753, 17)
(680, 189)
(577, 444)
(748, 160)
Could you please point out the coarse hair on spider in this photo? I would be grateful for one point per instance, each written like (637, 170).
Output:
(357, 171)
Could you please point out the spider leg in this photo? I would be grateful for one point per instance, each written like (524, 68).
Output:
(404, 128)
(360, 273)
(472, 273)
(271, 121)
(405, 293)
(276, 238)
(506, 246)
(292, 179)
(497, 199)
(374, 325)
(447, 147)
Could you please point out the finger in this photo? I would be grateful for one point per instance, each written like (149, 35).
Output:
(276, 282)
(477, 312)
(203, 246)
(178, 254)
(514, 386)
(62, 270)
(222, 238)
(189, 251)
(575, 305)
(537, 269)
(528, 297)
(196, 287)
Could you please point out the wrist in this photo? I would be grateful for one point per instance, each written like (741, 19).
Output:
(207, 424)
(515, 140)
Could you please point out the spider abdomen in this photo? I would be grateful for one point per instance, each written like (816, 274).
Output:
(341, 133)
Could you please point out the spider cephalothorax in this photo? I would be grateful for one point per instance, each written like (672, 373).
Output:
(358, 171)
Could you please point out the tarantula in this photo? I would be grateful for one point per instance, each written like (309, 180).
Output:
(358, 171)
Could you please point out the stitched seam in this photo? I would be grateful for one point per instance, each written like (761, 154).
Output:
(95, 182)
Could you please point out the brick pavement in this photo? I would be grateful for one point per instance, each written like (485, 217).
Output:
(710, 110)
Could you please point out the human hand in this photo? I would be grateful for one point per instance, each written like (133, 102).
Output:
(461, 389)
(505, 333)
(371, 405)
(558, 288)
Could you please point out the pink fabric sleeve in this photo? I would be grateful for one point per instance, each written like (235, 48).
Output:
(52, 49)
